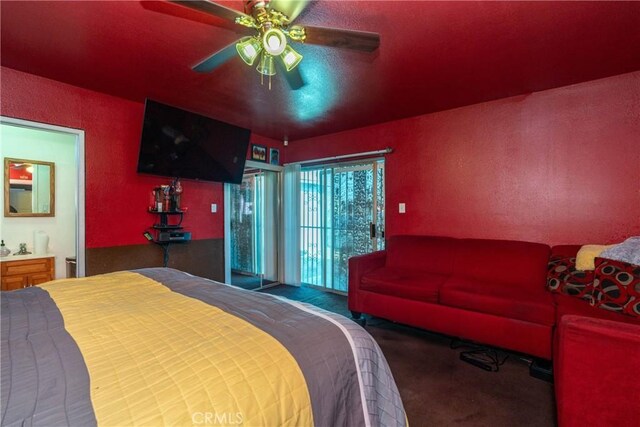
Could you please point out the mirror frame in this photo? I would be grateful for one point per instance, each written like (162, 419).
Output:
(52, 188)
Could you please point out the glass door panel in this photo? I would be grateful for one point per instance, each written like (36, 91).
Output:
(342, 210)
(254, 225)
(244, 226)
(313, 227)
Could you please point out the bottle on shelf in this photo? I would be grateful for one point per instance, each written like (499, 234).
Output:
(176, 191)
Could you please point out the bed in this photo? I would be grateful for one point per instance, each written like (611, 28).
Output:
(159, 346)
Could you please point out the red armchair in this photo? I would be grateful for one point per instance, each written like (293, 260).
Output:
(596, 371)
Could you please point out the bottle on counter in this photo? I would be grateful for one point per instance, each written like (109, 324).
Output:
(4, 251)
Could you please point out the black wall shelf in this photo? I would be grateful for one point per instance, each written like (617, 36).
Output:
(167, 232)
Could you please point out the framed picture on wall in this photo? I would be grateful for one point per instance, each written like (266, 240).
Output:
(274, 156)
(258, 152)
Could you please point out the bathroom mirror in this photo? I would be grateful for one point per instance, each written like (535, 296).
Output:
(29, 188)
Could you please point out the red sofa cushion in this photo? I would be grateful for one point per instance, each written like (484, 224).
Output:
(616, 286)
(522, 264)
(427, 253)
(567, 251)
(403, 283)
(566, 305)
(535, 306)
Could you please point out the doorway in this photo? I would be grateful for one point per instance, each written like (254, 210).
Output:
(64, 147)
(254, 228)
(342, 215)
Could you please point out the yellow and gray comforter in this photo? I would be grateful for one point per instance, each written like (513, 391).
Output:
(161, 347)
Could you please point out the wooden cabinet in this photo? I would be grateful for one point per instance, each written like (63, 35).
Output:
(23, 273)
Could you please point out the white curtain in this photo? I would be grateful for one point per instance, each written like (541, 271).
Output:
(227, 232)
(290, 265)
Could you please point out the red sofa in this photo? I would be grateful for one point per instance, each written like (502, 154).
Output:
(491, 291)
(494, 292)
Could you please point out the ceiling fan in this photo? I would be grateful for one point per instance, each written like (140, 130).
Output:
(269, 43)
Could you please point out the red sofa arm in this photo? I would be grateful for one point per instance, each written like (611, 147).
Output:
(596, 372)
(359, 265)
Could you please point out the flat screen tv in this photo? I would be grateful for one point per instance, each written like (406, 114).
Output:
(181, 144)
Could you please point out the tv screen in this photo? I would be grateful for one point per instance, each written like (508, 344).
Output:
(180, 144)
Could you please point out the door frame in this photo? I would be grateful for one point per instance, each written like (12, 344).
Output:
(80, 180)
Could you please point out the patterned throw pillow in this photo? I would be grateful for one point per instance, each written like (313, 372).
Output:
(616, 286)
(563, 278)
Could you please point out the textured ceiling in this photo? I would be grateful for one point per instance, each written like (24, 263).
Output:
(433, 56)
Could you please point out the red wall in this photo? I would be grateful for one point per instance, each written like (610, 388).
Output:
(559, 166)
(116, 196)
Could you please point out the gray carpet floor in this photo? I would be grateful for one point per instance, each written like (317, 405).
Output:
(248, 282)
(439, 389)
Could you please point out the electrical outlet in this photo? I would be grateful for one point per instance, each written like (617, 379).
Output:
(402, 208)
(214, 208)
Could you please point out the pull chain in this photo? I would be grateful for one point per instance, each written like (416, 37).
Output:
(262, 80)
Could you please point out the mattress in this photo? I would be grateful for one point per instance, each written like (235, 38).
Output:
(161, 347)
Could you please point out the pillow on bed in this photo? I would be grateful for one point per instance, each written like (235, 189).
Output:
(587, 254)
(616, 286)
(564, 278)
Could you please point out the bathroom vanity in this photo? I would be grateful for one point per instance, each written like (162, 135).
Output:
(22, 271)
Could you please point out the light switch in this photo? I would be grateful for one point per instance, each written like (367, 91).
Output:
(402, 208)
(214, 208)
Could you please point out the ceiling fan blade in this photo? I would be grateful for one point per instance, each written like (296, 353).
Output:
(217, 59)
(195, 16)
(211, 8)
(347, 39)
(293, 77)
(291, 8)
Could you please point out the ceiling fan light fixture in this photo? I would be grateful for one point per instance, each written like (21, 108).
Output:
(274, 41)
(290, 58)
(266, 66)
(249, 48)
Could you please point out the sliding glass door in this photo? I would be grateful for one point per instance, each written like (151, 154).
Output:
(246, 226)
(254, 225)
(342, 215)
